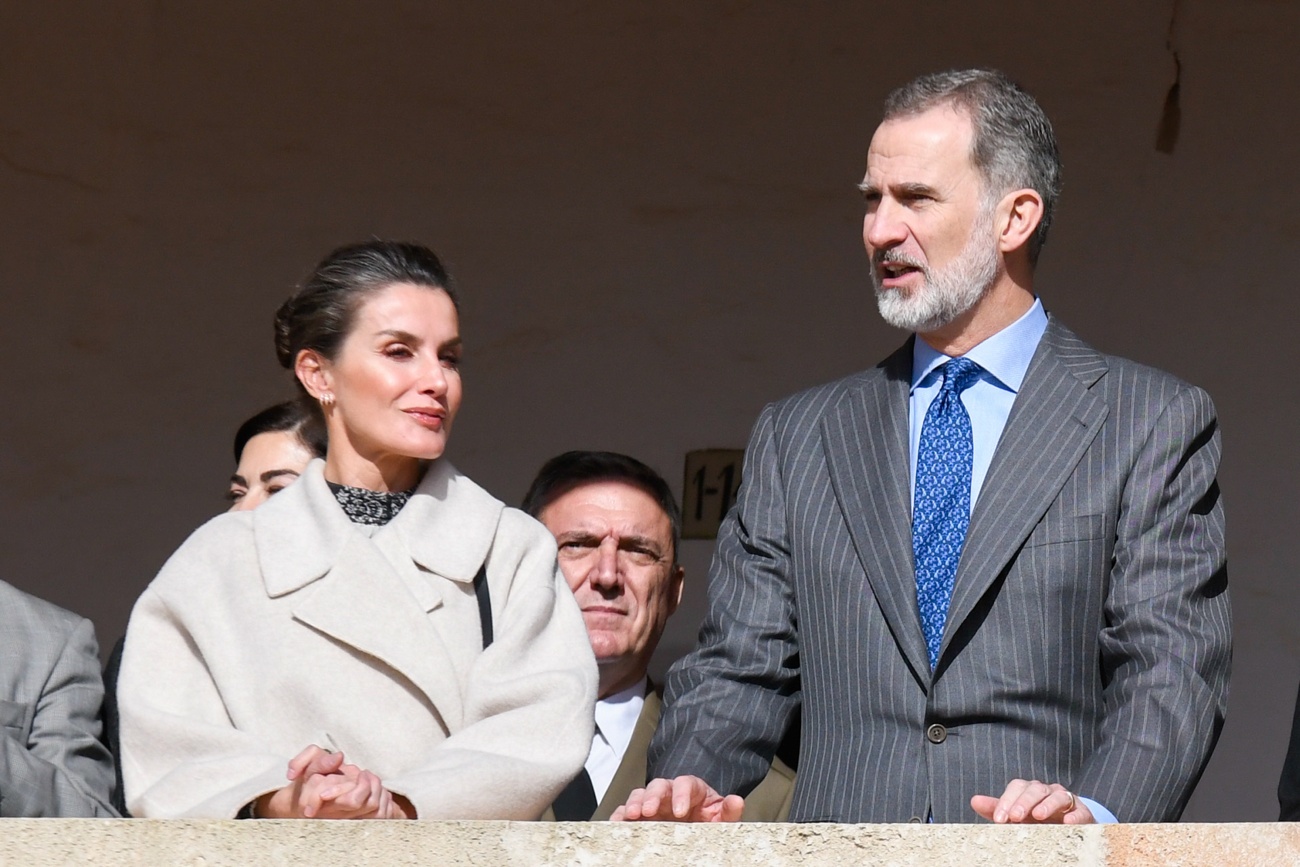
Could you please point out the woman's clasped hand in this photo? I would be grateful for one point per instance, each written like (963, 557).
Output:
(323, 785)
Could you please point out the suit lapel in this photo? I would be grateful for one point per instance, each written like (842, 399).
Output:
(631, 773)
(867, 455)
(1054, 419)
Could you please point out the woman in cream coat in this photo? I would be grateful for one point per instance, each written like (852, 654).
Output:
(336, 628)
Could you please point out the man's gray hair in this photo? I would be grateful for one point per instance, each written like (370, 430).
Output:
(1014, 146)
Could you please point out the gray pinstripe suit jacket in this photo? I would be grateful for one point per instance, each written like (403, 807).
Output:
(1088, 641)
(52, 763)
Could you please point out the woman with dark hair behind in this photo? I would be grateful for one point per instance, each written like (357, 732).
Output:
(382, 639)
(272, 449)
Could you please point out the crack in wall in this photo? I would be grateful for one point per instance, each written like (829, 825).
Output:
(42, 174)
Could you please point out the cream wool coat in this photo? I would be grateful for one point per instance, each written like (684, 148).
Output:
(289, 625)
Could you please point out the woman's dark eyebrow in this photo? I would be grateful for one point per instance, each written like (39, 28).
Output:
(408, 337)
(271, 474)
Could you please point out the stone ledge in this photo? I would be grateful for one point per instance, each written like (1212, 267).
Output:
(41, 842)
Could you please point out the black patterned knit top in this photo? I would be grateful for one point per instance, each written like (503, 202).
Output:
(370, 507)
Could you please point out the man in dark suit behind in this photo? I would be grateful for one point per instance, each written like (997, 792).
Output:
(617, 526)
(992, 569)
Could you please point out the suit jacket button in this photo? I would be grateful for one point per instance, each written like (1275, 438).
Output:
(915, 820)
(936, 734)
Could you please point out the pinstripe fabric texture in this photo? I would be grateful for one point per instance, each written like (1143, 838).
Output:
(1088, 638)
(52, 763)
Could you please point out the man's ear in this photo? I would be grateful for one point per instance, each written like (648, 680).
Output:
(675, 586)
(1018, 216)
(312, 371)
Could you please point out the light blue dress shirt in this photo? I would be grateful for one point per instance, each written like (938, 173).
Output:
(1005, 359)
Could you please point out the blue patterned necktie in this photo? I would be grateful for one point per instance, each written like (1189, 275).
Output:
(941, 505)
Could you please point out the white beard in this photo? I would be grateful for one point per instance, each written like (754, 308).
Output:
(946, 293)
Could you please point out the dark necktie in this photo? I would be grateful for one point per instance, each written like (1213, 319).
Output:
(941, 506)
(577, 802)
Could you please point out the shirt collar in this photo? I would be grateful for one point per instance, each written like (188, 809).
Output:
(1005, 356)
(616, 716)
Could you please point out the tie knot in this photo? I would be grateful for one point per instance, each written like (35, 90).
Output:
(958, 374)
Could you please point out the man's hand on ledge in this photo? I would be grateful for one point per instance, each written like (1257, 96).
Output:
(681, 799)
(1032, 802)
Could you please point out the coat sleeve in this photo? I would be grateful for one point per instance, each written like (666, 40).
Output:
(181, 756)
(60, 769)
(1166, 647)
(729, 701)
(529, 697)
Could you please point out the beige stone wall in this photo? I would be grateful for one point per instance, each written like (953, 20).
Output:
(107, 842)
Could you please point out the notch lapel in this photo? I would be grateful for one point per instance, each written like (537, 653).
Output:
(1054, 419)
(865, 439)
(631, 773)
(350, 590)
(363, 603)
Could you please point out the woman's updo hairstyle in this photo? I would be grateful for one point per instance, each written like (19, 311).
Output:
(319, 315)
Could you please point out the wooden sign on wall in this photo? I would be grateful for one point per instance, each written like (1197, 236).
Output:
(709, 491)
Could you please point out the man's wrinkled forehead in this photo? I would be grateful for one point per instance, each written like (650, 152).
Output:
(915, 150)
(594, 500)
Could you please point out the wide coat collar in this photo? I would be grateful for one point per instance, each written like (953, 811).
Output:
(447, 528)
(1054, 419)
(347, 585)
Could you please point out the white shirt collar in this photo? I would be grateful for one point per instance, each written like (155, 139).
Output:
(1005, 356)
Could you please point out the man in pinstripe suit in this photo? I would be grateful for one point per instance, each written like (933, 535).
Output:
(1078, 670)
